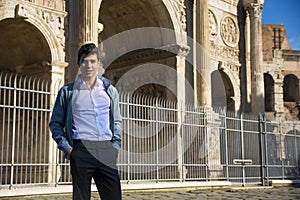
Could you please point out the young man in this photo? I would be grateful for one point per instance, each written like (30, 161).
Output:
(86, 125)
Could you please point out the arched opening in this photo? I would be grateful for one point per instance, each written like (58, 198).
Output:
(222, 91)
(133, 36)
(121, 15)
(23, 49)
(25, 71)
(291, 88)
(269, 93)
(156, 90)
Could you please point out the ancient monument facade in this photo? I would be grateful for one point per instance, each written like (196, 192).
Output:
(212, 53)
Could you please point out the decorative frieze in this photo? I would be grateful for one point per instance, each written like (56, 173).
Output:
(231, 67)
(233, 2)
(59, 5)
(224, 52)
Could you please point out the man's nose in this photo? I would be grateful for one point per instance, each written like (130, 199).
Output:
(88, 63)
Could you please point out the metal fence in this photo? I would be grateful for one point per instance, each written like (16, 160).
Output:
(162, 141)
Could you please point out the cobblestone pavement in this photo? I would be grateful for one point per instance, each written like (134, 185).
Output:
(284, 193)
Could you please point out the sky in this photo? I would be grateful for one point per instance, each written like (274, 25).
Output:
(286, 12)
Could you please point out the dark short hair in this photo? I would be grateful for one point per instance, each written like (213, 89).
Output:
(87, 49)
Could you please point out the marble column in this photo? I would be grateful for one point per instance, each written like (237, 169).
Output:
(254, 8)
(83, 26)
(247, 96)
(202, 71)
(88, 21)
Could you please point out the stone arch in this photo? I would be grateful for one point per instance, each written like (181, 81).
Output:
(169, 10)
(23, 48)
(139, 32)
(23, 15)
(269, 93)
(291, 88)
(223, 92)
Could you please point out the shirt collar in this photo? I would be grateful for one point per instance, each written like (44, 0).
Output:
(98, 84)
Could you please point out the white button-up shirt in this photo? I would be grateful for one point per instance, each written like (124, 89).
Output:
(91, 113)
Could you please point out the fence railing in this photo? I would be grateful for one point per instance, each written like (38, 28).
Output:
(162, 141)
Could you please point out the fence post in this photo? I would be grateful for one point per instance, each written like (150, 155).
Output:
(226, 144)
(53, 171)
(297, 162)
(242, 148)
(180, 149)
(262, 131)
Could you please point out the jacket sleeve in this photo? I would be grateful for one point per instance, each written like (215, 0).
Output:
(58, 120)
(117, 137)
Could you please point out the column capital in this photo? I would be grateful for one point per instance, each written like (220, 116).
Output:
(254, 9)
(247, 3)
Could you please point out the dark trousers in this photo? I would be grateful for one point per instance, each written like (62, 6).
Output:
(97, 160)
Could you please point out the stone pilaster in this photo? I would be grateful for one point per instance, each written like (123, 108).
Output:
(254, 8)
(57, 75)
(278, 84)
(182, 52)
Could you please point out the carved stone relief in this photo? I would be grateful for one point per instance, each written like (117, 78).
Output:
(22, 11)
(229, 31)
(213, 25)
(50, 3)
(255, 10)
(179, 7)
(55, 4)
(55, 21)
(224, 52)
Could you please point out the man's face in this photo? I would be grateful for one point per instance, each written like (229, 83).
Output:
(89, 66)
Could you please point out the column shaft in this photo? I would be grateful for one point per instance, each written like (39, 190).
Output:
(256, 57)
(89, 21)
(202, 79)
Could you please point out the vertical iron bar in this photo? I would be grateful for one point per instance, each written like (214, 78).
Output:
(281, 148)
(266, 146)
(156, 137)
(8, 128)
(127, 104)
(242, 150)
(13, 132)
(226, 145)
(296, 149)
(262, 131)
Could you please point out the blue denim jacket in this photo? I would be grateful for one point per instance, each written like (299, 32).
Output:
(62, 118)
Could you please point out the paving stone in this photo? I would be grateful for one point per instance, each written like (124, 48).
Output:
(286, 193)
